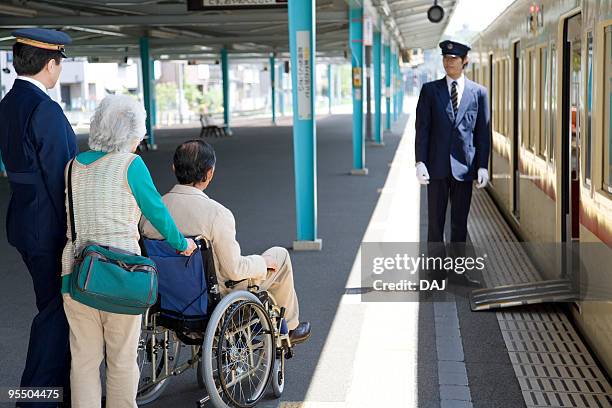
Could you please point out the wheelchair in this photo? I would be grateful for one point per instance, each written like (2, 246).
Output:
(238, 343)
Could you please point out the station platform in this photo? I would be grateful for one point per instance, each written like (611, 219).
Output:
(435, 354)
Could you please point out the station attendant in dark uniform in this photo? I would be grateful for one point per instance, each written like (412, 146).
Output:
(36, 142)
(453, 137)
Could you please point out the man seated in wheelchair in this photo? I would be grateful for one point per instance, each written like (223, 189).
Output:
(195, 214)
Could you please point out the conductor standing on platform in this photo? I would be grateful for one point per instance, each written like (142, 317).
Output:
(37, 141)
(453, 138)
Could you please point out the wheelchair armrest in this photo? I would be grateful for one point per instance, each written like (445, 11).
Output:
(230, 284)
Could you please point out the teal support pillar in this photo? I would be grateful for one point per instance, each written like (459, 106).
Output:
(356, 44)
(377, 60)
(281, 89)
(153, 96)
(148, 89)
(402, 89)
(387, 87)
(302, 45)
(330, 92)
(226, 90)
(273, 85)
(399, 84)
(394, 84)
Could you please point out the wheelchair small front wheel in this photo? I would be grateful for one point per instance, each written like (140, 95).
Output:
(278, 377)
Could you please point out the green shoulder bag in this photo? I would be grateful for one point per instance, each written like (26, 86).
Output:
(107, 278)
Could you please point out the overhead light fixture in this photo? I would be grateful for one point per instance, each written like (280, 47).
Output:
(162, 34)
(94, 31)
(435, 14)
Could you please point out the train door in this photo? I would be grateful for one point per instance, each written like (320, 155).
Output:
(516, 127)
(571, 127)
(492, 98)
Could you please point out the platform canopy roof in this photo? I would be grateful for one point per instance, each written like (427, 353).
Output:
(112, 28)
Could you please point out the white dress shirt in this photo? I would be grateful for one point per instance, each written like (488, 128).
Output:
(33, 81)
(460, 87)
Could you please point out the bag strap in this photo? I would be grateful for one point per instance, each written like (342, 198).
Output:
(71, 203)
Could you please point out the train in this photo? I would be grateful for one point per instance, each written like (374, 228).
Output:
(547, 66)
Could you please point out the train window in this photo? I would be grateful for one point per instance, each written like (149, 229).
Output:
(524, 97)
(491, 93)
(608, 117)
(543, 101)
(495, 97)
(589, 109)
(502, 91)
(493, 100)
(487, 79)
(500, 96)
(534, 124)
(508, 98)
(553, 102)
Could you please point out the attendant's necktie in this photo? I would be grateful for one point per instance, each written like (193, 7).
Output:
(454, 97)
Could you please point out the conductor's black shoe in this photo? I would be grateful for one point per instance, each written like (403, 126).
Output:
(300, 334)
(463, 280)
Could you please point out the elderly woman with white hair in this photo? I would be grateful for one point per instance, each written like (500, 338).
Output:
(111, 189)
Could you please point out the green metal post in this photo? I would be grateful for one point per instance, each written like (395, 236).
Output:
(273, 85)
(146, 65)
(226, 90)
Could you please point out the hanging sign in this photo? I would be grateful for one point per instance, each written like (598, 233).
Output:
(198, 5)
(304, 75)
(368, 31)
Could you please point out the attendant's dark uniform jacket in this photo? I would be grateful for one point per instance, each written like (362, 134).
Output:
(37, 141)
(448, 145)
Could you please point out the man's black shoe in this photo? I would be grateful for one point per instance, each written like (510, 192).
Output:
(300, 334)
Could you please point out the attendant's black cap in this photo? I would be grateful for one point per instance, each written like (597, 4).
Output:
(43, 38)
(454, 48)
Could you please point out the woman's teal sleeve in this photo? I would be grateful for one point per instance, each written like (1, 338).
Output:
(151, 204)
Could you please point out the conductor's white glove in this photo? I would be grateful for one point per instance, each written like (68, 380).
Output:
(422, 173)
(483, 178)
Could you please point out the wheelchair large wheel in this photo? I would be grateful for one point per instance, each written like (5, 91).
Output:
(161, 355)
(238, 352)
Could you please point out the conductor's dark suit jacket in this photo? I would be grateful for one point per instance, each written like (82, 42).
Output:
(36, 141)
(450, 145)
